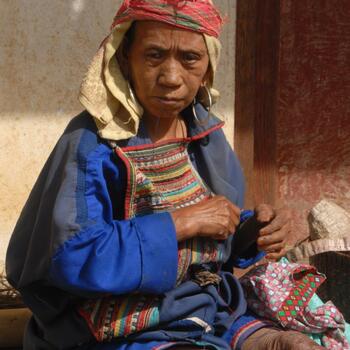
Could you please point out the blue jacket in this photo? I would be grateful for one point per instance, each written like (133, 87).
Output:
(72, 242)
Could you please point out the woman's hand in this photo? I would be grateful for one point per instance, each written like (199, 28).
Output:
(272, 339)
(214, 218)
(276, 237)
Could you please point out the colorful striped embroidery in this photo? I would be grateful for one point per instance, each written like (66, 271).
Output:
(247, 328)
(114, 317)
(160, 178)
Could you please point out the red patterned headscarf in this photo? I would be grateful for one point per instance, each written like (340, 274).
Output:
(196, 15)
(104, 90)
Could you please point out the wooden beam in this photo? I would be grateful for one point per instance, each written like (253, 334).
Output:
(12, 325)
(256, 94)
(267, 42)
(245, 91)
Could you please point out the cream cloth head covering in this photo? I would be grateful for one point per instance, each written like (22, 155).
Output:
(104, 91)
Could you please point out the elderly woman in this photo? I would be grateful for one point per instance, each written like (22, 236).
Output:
(125, 241)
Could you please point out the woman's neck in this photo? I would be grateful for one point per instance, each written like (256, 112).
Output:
(162, 129)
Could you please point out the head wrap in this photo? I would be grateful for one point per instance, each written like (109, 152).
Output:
(104, 91)
(197, 15)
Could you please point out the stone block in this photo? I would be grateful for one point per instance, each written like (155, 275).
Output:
(328, 220)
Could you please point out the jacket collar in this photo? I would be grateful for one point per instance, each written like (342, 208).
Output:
(195, 130)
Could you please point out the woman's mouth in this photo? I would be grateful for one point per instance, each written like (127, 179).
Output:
(169, 101)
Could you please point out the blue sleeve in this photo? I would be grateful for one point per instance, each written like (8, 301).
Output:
(106, 255)
(71, 233)
(118, 257)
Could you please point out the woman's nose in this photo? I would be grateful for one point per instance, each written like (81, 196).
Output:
(170, 74)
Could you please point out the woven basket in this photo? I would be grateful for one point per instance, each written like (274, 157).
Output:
(336, 266)
(329, 252)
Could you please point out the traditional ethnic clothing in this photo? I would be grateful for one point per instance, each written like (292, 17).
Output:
(94, 253)
(77, 245)
(104, 91)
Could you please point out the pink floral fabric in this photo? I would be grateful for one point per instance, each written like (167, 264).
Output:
(281, 291)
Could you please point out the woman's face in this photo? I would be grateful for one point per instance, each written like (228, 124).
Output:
(166, 66)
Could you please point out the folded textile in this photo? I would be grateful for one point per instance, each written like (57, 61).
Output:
(281, 291)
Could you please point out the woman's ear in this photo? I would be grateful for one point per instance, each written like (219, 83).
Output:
(208, 78)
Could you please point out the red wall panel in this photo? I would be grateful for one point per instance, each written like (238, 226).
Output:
(313, 106)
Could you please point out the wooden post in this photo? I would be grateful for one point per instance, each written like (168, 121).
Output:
(256, 91)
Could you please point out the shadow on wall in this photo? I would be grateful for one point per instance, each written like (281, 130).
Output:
(45, 48)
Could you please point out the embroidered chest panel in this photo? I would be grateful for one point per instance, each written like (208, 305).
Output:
(162, 178)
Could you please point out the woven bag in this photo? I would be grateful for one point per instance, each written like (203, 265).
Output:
(329, 251)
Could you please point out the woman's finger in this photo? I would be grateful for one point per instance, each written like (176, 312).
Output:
(281, 220)
(273, 248)
(277, 224)
(264, 213)
(275, 237)
(276, 255)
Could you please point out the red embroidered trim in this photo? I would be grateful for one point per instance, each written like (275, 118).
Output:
(242, 330)
(174, 140)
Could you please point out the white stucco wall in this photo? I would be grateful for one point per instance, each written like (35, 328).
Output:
(45, 47)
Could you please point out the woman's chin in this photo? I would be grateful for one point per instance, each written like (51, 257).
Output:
(167, 111)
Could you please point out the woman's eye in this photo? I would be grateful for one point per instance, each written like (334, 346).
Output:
(190, 57)
(154, 55)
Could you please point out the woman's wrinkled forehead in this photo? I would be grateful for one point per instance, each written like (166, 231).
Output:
(195, 15)
(163, 35)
